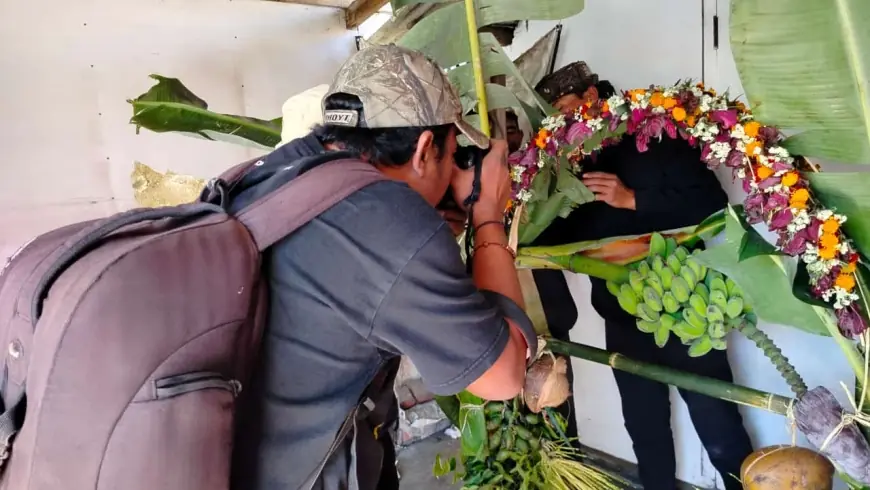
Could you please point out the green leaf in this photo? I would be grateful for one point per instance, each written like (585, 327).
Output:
(805, 65)
(753, 245)
(539, 215)
(715, 223)
(766, 281)
(443, 467)
(170, 107)
(498, 11)
(429, 36)
(472, 424)
(573, 188)
(848, 194)
(801, 287)
(450, 406)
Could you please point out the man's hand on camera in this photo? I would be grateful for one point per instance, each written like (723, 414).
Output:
(495, 183)
(609, 189)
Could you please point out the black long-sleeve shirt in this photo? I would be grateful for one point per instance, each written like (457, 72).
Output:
(672, 189)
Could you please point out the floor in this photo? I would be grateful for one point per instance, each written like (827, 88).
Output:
(415, 463)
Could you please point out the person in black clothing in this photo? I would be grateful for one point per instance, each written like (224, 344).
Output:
(664, 188)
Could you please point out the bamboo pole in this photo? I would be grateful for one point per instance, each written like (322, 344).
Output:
(699, 384)
(477, 66)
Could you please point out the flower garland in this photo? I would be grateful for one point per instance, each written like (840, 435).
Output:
(727, 134)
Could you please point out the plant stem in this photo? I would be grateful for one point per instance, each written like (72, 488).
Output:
(575, 263)
(477, 67)
(772, 352)
(699, 384)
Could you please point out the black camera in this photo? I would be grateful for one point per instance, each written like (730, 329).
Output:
(466, 157)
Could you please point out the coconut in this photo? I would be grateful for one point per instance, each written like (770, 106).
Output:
(546, 383)
(786, 468)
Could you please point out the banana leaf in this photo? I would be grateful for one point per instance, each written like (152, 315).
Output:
(766, 281)
(472, 424)
(498, 11)
(805, 65)
(849, 194)
(169, 106)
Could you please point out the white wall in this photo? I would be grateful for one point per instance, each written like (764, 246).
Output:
(634, 44)
(66, 69)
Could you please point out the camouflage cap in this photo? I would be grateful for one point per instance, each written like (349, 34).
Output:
(398, 87)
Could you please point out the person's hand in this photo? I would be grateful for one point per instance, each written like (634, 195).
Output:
(495, 183)
(455, 218)
(609, 189)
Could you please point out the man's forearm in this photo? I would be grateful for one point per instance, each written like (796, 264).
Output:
(493, 267)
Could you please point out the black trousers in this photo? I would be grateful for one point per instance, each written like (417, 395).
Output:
(646, 405)
(647, 410)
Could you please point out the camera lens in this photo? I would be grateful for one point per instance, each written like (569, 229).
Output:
(467, 156)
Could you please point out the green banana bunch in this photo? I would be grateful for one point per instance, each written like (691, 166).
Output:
(672, 292)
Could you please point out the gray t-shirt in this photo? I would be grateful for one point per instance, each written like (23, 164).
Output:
(376, 276)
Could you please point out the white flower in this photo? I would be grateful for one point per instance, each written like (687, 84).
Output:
(741, 173)
(738, 132)
(524, 195)
(616, 101)
(517, 173)
(824, 214)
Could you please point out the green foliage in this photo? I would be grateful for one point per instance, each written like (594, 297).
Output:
(805, 65)
(170, 107)
(766, 280)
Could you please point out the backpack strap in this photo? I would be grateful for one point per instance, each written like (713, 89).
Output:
(383, 380)
(302, 199)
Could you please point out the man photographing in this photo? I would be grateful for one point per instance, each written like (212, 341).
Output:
(377, 276)
(663, 188)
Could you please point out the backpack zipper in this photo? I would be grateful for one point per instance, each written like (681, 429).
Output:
(186, 383)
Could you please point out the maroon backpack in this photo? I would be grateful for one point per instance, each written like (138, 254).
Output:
(127, 339)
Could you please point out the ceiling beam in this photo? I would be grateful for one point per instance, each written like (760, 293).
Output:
(360, 10)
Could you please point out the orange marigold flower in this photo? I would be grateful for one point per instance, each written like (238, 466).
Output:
(605, 107)
(829, 241)
(670, 102)
(679, 114)
(845, 281)
(831, 225)
(827, 253)
(751, 129)
(637, 94)
(850, 268)
(800, 195)
(541, 139)
(798, 204)
(763, 172)
(790, 179)
(657, 99)
(690, 121)
(751, 147)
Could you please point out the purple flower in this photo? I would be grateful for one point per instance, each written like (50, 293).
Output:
(747, 185)
(811, 232)
(796, 245)
(754, 207)
(768, 183)
(552, 149)
(530, 158)
(642, 142)
(653, 128)
(824, 283)
(735, 159)
(777, 201)
(726, 118)
(578, 133)
(781, 219)
(670, 128)
(614, 123)
(769, 134)
(637, 116)
(780, 166)
(851, 322)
